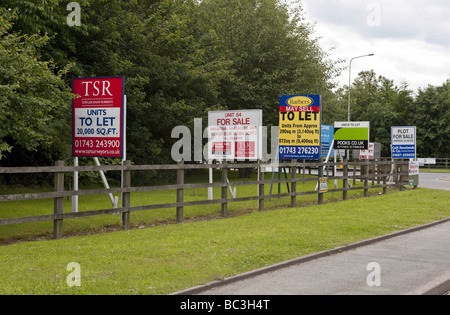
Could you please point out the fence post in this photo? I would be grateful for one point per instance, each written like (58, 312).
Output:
(180, 191)
(366, 179)
(404, 167)
(260, 187)
(395, 174)
(224, 194)
(377, 166)
(319, 175)
(345, 181)
(126, 196)
(58, 203)
(384, 173)
(293, 183)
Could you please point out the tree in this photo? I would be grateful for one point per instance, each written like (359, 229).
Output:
(273, 53)
(34, 100)
(378, 100)
(168, 58)
(432, 119)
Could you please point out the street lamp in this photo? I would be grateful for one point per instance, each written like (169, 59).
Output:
(349, 89)
(350, 82)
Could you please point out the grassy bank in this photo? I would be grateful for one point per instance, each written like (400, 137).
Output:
(164, 259)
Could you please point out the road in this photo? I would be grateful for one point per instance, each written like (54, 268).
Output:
(434, 180)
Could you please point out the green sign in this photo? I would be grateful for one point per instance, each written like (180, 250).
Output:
(351, 135)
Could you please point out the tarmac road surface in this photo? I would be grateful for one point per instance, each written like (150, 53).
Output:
(434, 180)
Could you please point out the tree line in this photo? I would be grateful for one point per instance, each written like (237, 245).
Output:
(181, 59)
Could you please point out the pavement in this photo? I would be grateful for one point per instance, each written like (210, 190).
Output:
(411, 262)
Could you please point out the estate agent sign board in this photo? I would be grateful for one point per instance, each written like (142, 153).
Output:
(351, 135)
(300, 127)
(98, 117)
(403, 142)
(235, 134)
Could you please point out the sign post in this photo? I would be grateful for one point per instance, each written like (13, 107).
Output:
(326, 141)
(403, 141)
(98, 125)
(414, 172)
(234, 135)
(300, 127)
(351, 135)
(98, 114)
(299, 137)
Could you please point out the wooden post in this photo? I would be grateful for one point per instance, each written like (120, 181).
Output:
(126, 196)
(372, 172)
(366, 180)
(260, 187)
(58, 203)
(224, 194)
(345, 182)
(378, 165)
(319, 175)
(304, 170)
(180, 191)
(293, 183)
(385, 173)
(404, 167)
(395, 174)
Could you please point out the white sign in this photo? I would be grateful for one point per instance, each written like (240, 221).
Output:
(431, 161)
(351, 124)
(413, 167)
(323, 188)
(235, 134)
(368, 154)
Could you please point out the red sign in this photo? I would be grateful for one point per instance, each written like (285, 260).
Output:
(245, 149)
(98, 111)
(222, 148)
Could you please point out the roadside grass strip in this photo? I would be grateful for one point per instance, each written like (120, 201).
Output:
(168, 258)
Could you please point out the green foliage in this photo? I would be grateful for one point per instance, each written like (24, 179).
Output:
(180, 59)
(33, 99)
(380, 101)
(273, 53)
(432, 112)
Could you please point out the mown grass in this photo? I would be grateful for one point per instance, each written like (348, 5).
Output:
(434, 170)
(95, 224)
(168, 258)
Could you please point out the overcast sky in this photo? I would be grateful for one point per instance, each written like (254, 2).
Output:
(410, 39)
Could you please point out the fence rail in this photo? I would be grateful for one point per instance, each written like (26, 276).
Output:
(441, 163)
(385, 173)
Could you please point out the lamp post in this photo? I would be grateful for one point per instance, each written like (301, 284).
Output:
(349, 89)
(350, 82)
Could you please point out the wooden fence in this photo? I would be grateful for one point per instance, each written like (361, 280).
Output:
(384, 173)
(441, 163)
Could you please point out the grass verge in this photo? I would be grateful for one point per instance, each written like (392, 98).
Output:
(434, 170)
(168, 258)
(102, 223)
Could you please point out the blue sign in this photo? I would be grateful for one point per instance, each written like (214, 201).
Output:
(403, 142)
(326, 140)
